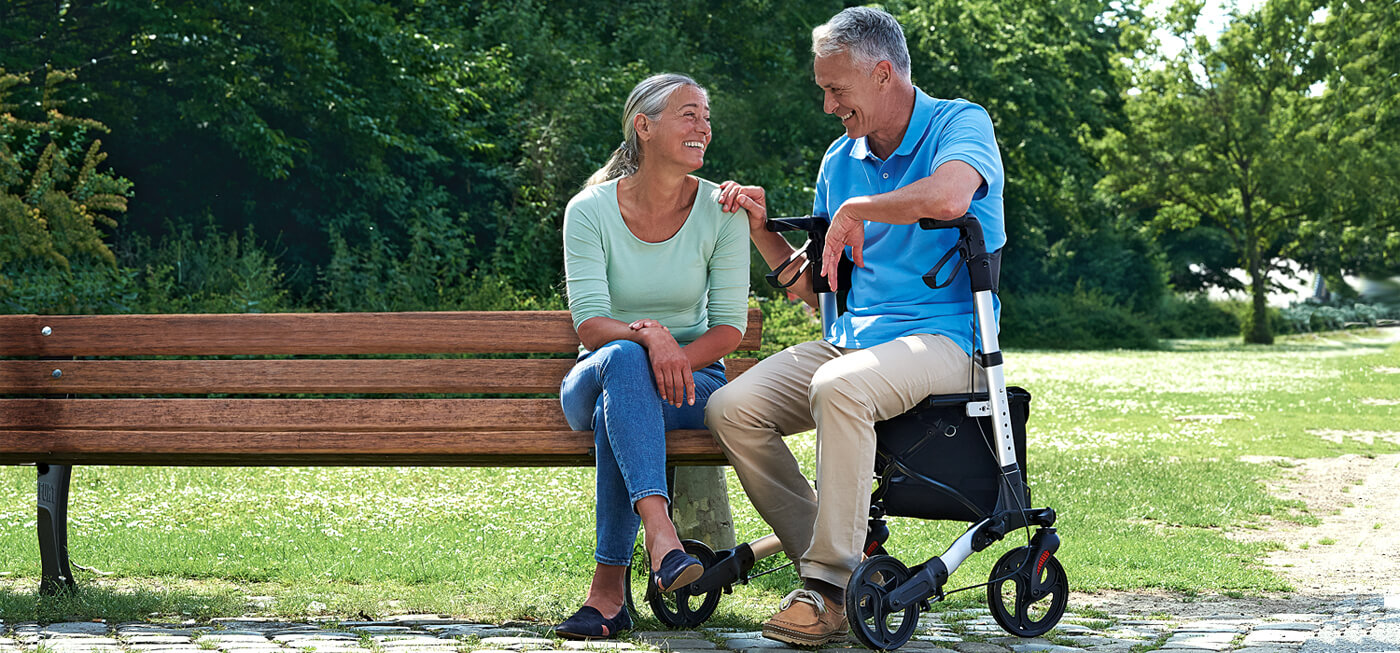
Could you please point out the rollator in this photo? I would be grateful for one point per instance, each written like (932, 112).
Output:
(958, 457)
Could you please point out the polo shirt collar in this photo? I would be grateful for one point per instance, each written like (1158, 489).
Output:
(918, 124)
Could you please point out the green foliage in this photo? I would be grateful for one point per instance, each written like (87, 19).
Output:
(1083, 319)
(786, 323)
(207, 271)
(53, 197)
(1195, 316)
(1310, 317)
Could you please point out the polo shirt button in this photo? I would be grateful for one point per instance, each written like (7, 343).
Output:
(886, 175)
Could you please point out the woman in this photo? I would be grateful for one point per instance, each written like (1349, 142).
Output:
(657, 279)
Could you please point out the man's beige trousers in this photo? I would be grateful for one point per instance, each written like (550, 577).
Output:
(841, 393)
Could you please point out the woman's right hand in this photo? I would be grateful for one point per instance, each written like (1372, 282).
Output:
(669, 364)
(733, 196)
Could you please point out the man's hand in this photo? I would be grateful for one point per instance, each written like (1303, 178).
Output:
(847, 230)
(733, 196)
(675, 381)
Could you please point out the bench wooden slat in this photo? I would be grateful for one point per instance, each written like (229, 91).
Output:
(197, 448)
(447, 332)
(340, 376)
(384, 415)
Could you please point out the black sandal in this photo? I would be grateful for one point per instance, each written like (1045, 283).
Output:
(678, 569)
(588, 623)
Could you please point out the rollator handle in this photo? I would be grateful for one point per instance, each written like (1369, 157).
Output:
(815, 226)
(983, 267)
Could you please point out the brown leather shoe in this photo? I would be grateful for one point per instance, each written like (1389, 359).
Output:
(805, 619)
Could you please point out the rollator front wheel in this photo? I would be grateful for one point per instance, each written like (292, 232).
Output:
(867, 607)
(1027, 600)
(682, 609)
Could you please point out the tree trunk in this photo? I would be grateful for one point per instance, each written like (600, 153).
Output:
(1258, 331)
(700, 507)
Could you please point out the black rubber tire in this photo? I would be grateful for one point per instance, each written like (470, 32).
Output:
(1035, 606)
(682, 609)
(871, 621)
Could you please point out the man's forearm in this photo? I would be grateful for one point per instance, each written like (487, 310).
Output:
(775, 249)
(943, 196)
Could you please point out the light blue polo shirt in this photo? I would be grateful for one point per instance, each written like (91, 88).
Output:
(888, 297)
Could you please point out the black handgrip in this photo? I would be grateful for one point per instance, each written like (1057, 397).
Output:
(982, 267)
(815, 226)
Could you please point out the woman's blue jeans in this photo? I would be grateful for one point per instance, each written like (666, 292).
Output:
(611, 392)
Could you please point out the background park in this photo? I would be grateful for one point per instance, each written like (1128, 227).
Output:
(1167, 173)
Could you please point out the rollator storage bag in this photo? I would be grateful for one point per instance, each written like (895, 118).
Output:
(935, 462)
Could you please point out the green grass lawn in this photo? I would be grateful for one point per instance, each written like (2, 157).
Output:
(1138, 452)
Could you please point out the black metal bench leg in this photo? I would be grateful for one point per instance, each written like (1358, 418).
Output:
(53, 528)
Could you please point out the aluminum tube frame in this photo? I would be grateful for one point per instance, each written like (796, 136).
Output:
(996, 381)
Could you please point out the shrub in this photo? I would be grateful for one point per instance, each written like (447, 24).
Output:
(1196, 316)
(1311, 317)
(786, 323)
(1078, 320)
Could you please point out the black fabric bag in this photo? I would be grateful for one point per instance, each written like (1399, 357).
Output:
(935, 462)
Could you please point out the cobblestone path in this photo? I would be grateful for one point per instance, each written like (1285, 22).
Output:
(1364, 625)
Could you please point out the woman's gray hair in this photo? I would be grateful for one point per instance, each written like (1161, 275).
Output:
(869, 35)
(649, 98)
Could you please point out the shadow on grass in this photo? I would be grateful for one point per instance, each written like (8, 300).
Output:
(1366, 338)
(115, 604)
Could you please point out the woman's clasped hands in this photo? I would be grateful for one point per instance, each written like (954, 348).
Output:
(675, 379)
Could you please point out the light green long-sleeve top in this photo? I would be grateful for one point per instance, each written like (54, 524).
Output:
(690, 282)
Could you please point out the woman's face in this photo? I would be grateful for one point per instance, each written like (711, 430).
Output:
(681, 134)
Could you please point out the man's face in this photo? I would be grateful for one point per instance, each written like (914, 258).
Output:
(849, 92)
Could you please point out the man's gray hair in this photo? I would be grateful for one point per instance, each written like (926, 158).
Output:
(869, 35)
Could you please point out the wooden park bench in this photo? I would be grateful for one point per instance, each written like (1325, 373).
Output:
(136, 390)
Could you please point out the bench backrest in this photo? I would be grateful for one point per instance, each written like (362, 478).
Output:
(52, 367)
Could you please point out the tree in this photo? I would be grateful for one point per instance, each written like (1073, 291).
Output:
(1218, 137)
(54, 199)
(1358, 116)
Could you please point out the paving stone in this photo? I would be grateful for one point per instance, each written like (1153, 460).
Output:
(739, 634)
(314, 634)
(516, 643)
(421, 619)
(153, 648)
(1266, 649)
(1287, 625)
(753, 644)
(939, 637)
(979, 647)
(146, 638)
(95, 640)
(1114, 648)
(682, 650)
(1274, 637)
(504, 632)
(1208, 627)
(1046, 647)
(681, 643)
(1074, 629)
(1200, 641)
(232, 635)
(75, 628)
(646, 635)
(603, 645)
(246, 648)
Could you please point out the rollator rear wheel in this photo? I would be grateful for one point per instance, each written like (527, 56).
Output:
(1027, 600)
(872, 622)
(679, 609)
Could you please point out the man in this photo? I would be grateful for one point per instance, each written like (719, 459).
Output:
(904, 156)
